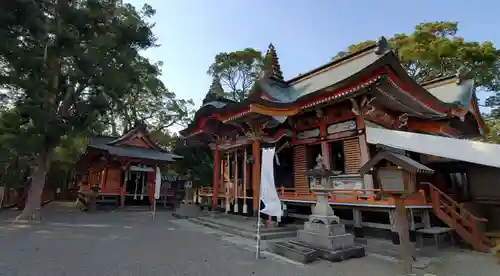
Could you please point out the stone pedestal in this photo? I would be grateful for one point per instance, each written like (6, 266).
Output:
(187, 208)
(323, 232)
(331, 237)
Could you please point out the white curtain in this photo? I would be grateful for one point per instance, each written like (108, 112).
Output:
(157, 183)
(268, 193)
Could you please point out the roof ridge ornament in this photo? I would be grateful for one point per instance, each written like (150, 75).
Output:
(382, 46)
(462, 74)
(215, 92)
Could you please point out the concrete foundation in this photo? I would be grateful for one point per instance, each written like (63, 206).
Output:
(187, 210)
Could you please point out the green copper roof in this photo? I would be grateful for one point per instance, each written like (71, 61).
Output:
(453, 92)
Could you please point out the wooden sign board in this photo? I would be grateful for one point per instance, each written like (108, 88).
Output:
(396, 181)
(308, 134)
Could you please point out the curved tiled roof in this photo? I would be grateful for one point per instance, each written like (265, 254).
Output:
(339, 73)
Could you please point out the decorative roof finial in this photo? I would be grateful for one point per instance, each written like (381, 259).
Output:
(272, 68)
(215, 91)
(382, 46)
(461, 74)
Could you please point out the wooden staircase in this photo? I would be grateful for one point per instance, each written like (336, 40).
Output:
(459, 219)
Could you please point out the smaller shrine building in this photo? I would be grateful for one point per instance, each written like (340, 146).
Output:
(123, 169)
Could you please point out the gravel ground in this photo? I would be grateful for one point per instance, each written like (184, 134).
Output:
(68, 242)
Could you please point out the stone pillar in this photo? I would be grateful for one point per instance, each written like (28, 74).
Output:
(215, 184)
(256, 174)
(358, 219)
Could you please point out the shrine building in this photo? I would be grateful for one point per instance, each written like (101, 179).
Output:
(347, 111)
(123, 169)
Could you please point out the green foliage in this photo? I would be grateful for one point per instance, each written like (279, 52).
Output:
(197, 159)
(493, 134)
(66, 63)
(237, 71)
(69, 69)
(434, 50)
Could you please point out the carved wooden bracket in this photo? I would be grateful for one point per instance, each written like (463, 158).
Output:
(256, 131)
(402, 120)
(362, 106)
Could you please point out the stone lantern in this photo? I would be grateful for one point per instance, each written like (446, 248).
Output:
(323, 231)
(187, 208)
(322, 212)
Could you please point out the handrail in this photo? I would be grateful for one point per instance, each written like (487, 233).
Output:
(469, 214)
(459, 219)
(365, 196)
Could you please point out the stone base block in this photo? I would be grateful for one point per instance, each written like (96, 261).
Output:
(324, 230)
(337, 255)
(343, 254)
(296, 252)
(187, 211)
(326, 242)
(359, 232)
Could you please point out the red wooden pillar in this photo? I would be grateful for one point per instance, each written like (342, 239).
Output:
(215, 184)
(123, 193)
(325, 147)
(104, 178)
(256, 174)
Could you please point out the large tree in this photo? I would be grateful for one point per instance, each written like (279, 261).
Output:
(237, 71)
(63, 64)
(434, 49)
(149, 101)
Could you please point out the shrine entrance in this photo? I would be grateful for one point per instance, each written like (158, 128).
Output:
(137, 189)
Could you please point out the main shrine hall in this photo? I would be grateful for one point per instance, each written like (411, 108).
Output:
(346, 111)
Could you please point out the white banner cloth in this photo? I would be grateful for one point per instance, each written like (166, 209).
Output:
(157, 183)
(268, 193)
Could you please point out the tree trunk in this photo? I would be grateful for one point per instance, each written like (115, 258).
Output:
(33, 202)
(2, 189)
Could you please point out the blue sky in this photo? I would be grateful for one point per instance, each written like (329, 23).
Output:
(306, 34)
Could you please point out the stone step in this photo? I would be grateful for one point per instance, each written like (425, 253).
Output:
(304, 253)
(295, 252)
(246, 233)
(236, 224)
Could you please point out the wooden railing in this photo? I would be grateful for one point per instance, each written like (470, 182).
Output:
(459, 219)
(355, 196)
(208, 191)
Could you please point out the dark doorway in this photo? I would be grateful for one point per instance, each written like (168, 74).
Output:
(137, 191)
